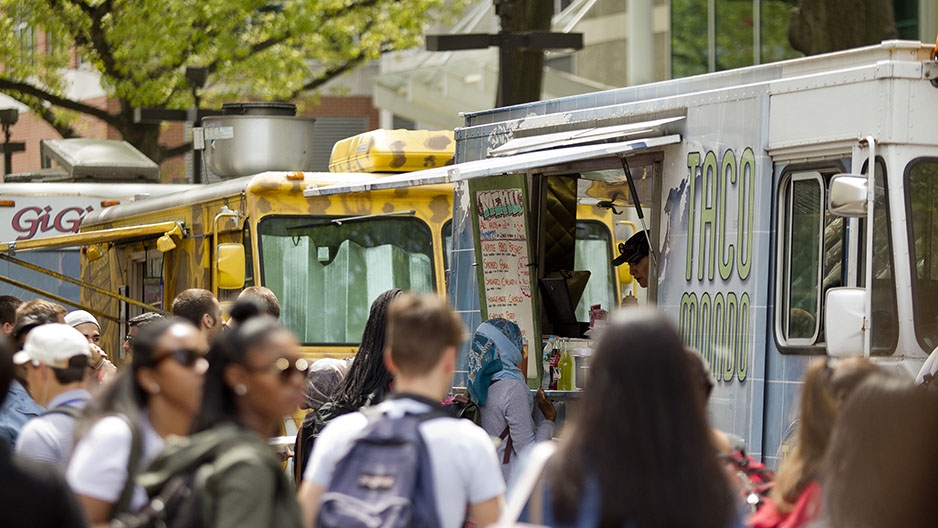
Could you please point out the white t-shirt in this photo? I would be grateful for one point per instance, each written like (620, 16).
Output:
(465, 468)
(98, 467)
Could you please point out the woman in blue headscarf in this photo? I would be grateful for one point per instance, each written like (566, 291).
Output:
(499, 387)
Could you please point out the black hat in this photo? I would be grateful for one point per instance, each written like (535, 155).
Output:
(633, 249)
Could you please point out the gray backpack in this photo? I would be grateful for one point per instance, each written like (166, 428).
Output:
(385, 479)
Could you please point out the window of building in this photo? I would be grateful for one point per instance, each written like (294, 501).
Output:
(721, 34)
(26, 37)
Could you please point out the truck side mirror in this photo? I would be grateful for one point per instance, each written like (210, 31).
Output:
(844, 321)
(848, 194)
(230, 266)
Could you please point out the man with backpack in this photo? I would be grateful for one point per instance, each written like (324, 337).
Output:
(405, 462)
(56, 360)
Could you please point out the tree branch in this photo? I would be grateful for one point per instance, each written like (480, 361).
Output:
(255, 49)
(84, 6)
(28, 89)
(330, 74)
(100, 43)
(348, 8)
(47, 115)
(178, 150)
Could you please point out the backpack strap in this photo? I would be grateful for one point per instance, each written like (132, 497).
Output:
(67, 410)
(299, 458)
(508, 444)
(133, 466)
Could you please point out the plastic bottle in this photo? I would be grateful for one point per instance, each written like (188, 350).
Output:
(555, 365)
(545, 363)
(629, 300)
(566, 370)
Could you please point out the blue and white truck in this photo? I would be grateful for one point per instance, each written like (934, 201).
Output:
(734, 173)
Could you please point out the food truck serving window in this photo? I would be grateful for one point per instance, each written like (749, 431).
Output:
(326, 273)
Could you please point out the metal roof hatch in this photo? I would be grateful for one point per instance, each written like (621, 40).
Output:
(104, 160)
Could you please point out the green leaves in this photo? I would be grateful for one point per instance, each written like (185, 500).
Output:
(253, 49)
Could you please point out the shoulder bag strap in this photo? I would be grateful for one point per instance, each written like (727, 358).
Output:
(133, 466)
(506, 437)
(530, 478)
(298, 459)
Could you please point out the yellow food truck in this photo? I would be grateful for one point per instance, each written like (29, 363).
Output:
(326, 258)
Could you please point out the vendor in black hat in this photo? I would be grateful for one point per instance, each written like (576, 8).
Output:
(635, 252)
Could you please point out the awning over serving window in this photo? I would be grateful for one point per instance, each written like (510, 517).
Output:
(527, 162)
(579, 137)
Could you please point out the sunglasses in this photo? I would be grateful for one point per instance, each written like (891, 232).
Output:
(285, 367)
(184, 356)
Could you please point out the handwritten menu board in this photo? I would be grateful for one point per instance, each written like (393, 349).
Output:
(502, 255)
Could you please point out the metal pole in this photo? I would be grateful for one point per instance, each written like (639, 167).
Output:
(80, 283)
(7, 151)
(641, 42)
(56, 298)
(504, 97)
(870, 201)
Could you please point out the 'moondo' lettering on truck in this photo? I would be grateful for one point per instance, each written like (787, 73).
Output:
(718, 322)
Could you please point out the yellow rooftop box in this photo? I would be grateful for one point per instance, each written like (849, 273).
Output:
(393, 151)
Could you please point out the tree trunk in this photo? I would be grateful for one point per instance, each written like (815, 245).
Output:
(144, 136)
(822, 26)
(522, 71)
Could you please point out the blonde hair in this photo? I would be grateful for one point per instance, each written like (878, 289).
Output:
(825, 390)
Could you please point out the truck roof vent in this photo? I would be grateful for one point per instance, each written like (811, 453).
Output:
(101, 160)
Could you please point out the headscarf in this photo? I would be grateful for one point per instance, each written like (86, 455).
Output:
(494, 355)
(322, 380)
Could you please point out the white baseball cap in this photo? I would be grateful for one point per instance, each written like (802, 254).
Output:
(53, 344)
(80, 317)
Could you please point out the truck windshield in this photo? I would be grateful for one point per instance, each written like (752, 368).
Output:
(326, 274)
(922, 202)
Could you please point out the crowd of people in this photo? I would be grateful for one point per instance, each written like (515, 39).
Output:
(180, 434)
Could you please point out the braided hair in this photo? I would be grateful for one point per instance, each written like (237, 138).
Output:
(368, 379)
(366, 383)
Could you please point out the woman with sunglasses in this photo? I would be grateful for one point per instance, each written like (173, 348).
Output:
(256, 377)
(123, 428)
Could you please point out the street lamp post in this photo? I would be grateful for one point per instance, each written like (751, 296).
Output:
(196, 78)
(8, 118)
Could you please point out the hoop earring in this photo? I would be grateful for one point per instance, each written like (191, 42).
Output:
(240, 389)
